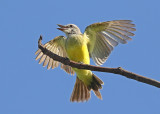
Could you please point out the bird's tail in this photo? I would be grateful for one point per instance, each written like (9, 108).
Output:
(81, 92)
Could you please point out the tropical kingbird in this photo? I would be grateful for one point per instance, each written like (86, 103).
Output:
(97, 42)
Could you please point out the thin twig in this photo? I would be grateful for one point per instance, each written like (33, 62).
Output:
(118, 70)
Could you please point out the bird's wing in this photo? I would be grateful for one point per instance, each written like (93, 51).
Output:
(57, 46)
(104, 36)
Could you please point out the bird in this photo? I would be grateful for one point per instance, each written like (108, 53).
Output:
(97, 42)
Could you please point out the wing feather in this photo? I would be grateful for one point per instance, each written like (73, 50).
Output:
(116, 36)
(50, 63)
(104, 36)
(57, 46)
(112, 41)
(46, 61)
(39, 55)
(123, 34)
(124, 27)
(42, 59)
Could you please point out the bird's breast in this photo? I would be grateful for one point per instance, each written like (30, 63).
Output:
(76, 48)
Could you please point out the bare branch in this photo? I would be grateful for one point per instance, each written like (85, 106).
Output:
(118, 70)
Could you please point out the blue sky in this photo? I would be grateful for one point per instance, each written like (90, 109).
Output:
(28, 88)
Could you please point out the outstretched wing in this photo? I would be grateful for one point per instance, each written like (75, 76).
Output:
(57, 46)
(104, 36)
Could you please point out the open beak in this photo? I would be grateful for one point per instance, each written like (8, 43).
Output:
(62, 27)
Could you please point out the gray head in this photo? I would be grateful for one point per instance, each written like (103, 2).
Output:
(69, 29)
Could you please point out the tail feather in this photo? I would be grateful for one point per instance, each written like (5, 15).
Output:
(81, 92)
(98, 94)
(96, 84)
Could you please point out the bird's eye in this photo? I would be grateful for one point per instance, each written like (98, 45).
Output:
(71, 25)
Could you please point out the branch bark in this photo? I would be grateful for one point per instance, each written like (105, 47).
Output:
(118, 70)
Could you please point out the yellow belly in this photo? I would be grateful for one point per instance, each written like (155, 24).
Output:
(77, 51)
(79, 54)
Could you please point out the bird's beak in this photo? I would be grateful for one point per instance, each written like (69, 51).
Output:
(62, 27)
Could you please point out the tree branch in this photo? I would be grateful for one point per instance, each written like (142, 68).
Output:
(118, 70)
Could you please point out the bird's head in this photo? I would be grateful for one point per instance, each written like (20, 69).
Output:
(69, 29)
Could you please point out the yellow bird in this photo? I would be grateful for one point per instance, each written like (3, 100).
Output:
(97, 42)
